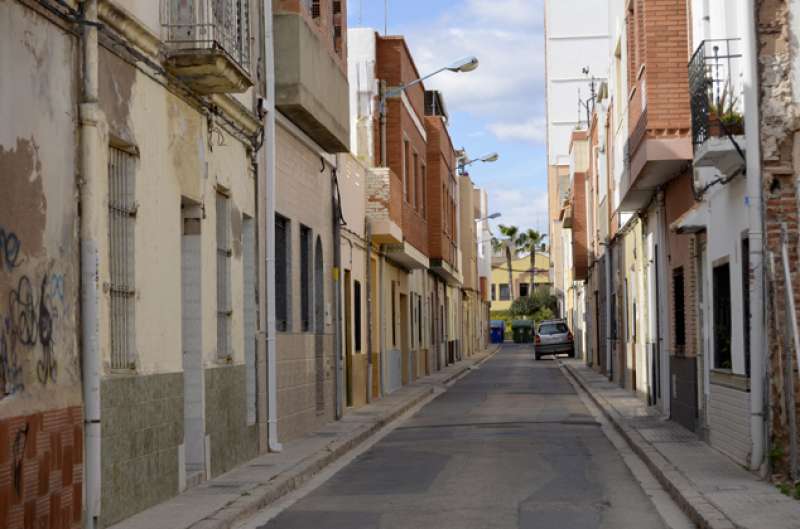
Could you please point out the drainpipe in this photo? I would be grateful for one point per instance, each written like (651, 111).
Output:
(268, 236)
(91, 119)
(369, 280)
(609, 367)
(758, 338)
(337, 287)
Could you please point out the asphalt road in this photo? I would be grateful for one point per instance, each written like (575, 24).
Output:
(510, 445)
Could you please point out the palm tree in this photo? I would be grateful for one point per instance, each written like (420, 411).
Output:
(512, 238)
(531, 242)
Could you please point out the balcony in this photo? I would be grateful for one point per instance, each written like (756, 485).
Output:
(311, 87)
(715, 84)
(384, 206)
(208, 44)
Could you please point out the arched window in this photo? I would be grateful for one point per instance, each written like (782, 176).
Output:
(319, 288)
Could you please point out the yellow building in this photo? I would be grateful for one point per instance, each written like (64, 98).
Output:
(521, 275)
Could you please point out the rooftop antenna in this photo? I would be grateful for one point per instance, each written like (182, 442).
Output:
(385, 17)
(361, 13)
(587, 105)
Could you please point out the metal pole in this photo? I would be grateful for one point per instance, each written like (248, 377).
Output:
(793, 340)
(369, 280)
(337, 310)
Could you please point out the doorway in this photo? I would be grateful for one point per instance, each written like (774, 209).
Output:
(194, 436)
(404, 351)
(348, 335)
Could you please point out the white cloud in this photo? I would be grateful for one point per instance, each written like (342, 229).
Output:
(507, 37)
(524, 207)
(533, 130)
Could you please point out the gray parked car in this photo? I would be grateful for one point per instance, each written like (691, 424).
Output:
(553, 337)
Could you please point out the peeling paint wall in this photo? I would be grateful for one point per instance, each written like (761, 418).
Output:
(39, 365)
(41, 418)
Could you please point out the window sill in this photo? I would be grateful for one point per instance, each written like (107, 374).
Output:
(726, 378)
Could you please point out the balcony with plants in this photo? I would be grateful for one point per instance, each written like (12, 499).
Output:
(715, 82)
(208, 44)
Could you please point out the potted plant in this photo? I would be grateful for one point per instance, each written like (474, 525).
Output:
(723, 114)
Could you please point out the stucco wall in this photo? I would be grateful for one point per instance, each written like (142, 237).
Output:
(41, 420)
(304, 197)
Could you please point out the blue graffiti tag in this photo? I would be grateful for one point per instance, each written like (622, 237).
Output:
(9, 249)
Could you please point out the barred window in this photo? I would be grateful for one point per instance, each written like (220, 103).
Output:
(224, 252)
(121, 231)
(282, 234)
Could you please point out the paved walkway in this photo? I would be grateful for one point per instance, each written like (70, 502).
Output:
(228, 499)
(714, 491)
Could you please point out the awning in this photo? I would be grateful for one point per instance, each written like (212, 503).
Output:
(695, 220)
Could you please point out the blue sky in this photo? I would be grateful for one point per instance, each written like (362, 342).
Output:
(498, 107)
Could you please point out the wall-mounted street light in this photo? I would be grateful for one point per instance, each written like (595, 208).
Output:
(464, 161)
(467, 64)
(490, 217)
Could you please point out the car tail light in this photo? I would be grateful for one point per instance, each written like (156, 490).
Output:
(569, 336)
(537, 339)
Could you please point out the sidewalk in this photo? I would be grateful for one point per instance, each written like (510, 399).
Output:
(225, 501)
(712, 490)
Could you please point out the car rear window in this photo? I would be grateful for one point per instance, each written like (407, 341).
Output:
(553, 328)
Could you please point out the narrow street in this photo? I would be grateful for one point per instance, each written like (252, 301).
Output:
(510, 445)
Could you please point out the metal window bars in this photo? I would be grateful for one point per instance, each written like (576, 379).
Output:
(224, 252)
(715, 87)
(121, 224)
(209, 25)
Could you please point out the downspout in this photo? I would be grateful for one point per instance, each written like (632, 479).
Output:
(269, 206)
(758, 338)
(337, 287)
(369, 280)
(90, 119)
(609, 367)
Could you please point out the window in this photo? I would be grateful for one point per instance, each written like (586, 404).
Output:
(282, 262)
(524, 290)
(505, 292)
(394, 317)
(424, 188)
(224, 252)
(357, 315)
(548, 329)
(494, 293)
(722, 317)
(407, 170)
(419, 320)
(417, 185)
(305, 278)
(679, 309)
(121, 231)
(746, 301)
(319, 287)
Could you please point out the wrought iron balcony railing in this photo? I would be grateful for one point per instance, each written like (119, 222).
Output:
(215, 25)
(715, 85)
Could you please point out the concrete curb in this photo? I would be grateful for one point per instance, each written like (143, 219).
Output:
(262, 496)
(691, 501)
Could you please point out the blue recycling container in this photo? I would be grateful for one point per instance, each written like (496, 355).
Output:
(497, 331)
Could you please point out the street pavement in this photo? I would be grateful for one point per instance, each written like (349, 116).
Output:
(510, 445)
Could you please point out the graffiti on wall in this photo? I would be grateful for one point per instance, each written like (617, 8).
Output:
(33, 306)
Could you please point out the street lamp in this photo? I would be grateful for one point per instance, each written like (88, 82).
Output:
(490, 217)
(463, 161)
(467, 64)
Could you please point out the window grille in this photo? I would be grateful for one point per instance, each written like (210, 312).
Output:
(209, 25)
(679, 308)
(722, 317)
(305, 278)
(224, 252)
(282, 273)
(319, 287)
(121, 231)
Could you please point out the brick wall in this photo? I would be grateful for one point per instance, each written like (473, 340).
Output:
(580, 256)
(41, 465)
(681, 253)
(395, 66)
(441, 168)
(658, 52)
(779, 136)
(331, 26)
